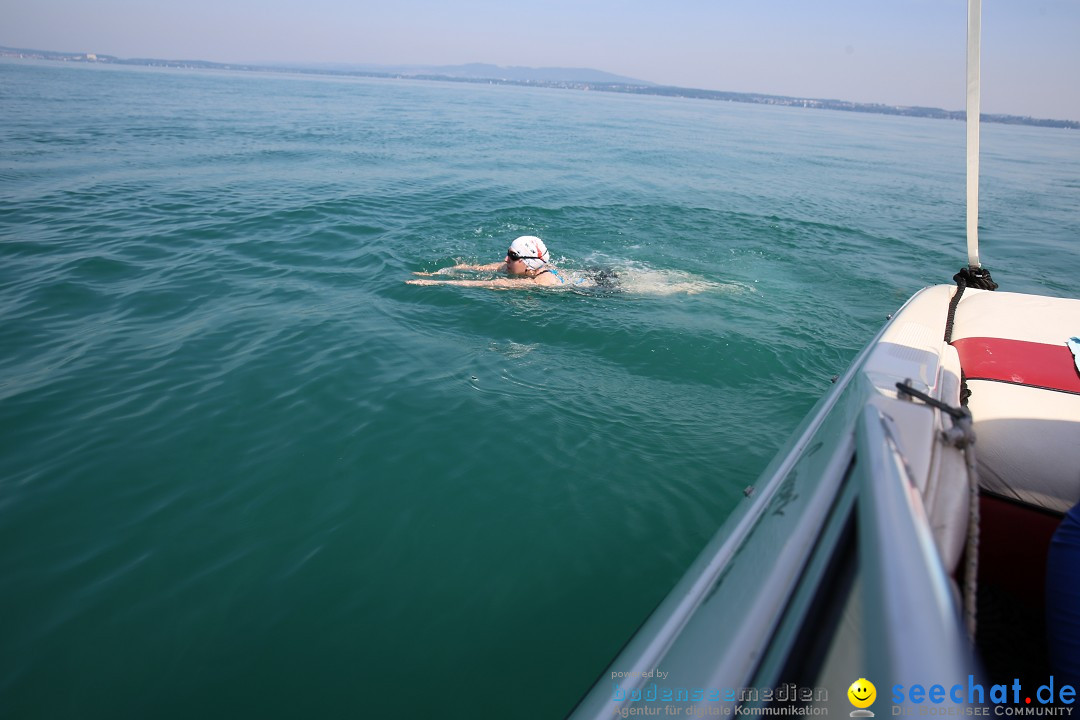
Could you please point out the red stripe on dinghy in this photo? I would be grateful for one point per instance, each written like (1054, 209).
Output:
(1019, 362)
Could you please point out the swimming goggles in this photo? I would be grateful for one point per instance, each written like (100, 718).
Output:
(515, 256)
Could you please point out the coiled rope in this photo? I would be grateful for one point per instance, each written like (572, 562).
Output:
(980, 279)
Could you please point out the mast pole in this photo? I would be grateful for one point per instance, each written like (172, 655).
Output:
(973, 103)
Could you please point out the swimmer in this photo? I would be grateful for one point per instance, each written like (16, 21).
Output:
(527, 264)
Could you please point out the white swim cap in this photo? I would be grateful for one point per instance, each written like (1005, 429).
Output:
(531, 249)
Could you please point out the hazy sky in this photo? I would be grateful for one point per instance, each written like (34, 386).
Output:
(904, 52)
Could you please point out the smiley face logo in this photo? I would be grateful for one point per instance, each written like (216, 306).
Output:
(862, 693)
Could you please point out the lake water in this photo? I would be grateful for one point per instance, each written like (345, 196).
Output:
(246, 471)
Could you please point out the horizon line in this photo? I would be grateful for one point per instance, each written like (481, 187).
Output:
(627, 85)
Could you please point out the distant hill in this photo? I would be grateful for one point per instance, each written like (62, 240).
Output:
(469, 71)
(566, 78)
(482, 71)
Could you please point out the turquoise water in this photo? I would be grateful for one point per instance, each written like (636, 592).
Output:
(247, 471)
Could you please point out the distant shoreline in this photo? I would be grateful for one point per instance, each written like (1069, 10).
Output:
(613, 87)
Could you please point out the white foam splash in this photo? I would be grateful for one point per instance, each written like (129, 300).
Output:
(643, 280)
(513, 349)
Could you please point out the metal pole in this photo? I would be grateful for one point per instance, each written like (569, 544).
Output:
(973, 102)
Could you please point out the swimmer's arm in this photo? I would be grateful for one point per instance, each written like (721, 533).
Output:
(493, 267)
(499, 266)
(504, 283)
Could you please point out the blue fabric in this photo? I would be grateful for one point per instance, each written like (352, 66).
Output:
(563, 280)
(1063, 599)
(1074, 345)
